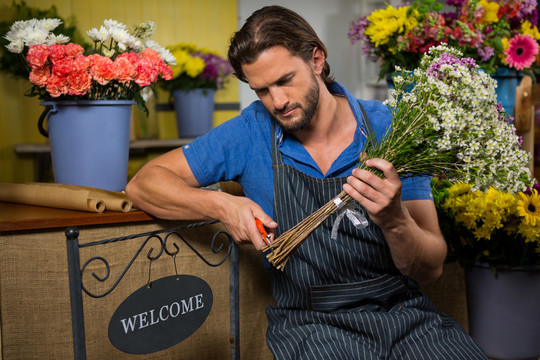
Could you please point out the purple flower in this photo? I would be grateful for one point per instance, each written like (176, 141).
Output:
(216, 68)
(486, 53)
(527, 11)
(528, 191)
(356, 31)
(457, 3)
(448, 59)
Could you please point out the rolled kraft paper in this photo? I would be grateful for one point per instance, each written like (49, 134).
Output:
(114, 201)
(35, 194)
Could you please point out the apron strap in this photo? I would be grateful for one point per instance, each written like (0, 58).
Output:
(367, 123)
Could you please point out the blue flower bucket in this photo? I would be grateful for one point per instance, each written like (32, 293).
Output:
(89, 141)
(507, 81)
(194, 111)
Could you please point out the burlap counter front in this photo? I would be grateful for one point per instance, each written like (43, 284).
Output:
(35, 310)
(34, 294)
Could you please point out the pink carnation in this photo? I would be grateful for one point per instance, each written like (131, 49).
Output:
(57, 85)
(126, 69)
(73, 50)
(151, 55)
(146, 73)
(63, 67)
(56, 52)
(80, 63)
(37, 56)
(102, 69)
(130, 57)
(39, 76)
(79, 82)
(165, 71)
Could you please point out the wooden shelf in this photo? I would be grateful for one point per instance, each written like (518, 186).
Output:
(137, 146)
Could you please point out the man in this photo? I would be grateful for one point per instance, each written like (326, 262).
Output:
(352, 297)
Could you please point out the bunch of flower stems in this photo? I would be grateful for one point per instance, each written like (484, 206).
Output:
(403, 146)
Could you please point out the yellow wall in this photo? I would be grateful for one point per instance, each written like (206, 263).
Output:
(207, 23)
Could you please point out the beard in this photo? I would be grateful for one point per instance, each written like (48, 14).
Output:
(311, 100)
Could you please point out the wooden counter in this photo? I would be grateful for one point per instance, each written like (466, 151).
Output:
(35, 314)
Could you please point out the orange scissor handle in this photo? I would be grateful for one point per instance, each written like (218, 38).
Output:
(263, 232)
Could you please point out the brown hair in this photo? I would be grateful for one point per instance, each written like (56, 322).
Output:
(275, 26)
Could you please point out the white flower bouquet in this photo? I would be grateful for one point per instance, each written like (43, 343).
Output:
(446, 122)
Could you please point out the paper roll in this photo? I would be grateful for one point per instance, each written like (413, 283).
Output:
(114, 201)
(72, 197)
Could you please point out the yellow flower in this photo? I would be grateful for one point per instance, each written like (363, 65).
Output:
(389, 22)
(529, 232)
(185, 63)
(528, 207)
(194, 66)
(459, 188)
(505, 45)
(490, 11)
(527, 28)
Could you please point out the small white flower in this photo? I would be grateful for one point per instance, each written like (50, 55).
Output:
(16, 46)
(121, 36)
(36, 36)
(168, 57)
(102, 35)
(50, 24)
(113, 24)
(59, 39)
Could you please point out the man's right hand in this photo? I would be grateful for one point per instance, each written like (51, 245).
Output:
(239, 216)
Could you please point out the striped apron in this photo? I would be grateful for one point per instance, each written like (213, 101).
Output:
(344, 298)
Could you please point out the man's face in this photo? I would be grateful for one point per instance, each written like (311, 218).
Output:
(286, 85)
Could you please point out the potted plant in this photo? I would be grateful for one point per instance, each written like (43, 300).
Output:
(495, 235)
(197, 75)
(500, 35)
(89, 95)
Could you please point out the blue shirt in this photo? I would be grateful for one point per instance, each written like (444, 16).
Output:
(240, 150)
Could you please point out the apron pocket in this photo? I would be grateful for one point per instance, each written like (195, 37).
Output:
(371, 295)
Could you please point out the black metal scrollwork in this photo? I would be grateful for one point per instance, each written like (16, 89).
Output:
(167, 244)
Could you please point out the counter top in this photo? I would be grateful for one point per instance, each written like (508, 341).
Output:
(18, 217)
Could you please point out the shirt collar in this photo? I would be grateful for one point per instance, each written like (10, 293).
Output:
(290, 147)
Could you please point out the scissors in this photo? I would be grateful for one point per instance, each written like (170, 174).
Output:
(263, 232)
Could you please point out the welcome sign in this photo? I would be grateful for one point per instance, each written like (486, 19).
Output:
(157, 317)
